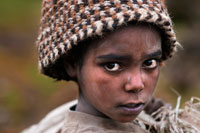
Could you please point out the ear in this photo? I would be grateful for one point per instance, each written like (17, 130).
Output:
(71, 69)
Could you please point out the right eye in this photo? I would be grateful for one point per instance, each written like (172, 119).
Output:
(112, 67)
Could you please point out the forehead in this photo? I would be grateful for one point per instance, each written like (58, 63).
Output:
(135, 39)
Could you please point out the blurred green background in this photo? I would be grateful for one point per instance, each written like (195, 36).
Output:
(26, 96)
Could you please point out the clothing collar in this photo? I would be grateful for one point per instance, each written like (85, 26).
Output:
(75, 118)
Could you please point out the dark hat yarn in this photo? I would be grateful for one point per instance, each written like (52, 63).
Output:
(64, 23)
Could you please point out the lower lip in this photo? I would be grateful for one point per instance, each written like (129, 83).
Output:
(130, 110)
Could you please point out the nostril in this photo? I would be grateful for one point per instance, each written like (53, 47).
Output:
(136, 90)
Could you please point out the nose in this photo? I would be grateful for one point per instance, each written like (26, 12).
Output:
(135, 82)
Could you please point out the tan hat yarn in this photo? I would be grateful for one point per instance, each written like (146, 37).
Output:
(64, 23)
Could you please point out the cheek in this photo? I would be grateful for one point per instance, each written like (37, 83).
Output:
(98, 87)
(151, 80)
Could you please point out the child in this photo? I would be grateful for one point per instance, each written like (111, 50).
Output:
(113, 50)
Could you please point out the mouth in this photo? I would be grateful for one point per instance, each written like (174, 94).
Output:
(131, 108)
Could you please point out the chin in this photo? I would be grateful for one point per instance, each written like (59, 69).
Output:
(125, 119)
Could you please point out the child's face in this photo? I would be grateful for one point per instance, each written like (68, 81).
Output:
(120, 72)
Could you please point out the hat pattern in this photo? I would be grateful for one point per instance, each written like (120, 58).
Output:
(64, 23)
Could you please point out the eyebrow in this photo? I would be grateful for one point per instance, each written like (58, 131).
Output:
(127, 57)
(154, 54)
(114, 57)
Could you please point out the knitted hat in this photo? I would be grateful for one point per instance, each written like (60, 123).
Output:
(65, 23)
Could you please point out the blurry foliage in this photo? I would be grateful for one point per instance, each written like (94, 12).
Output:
(15, 13)
(184, 11)
(26, 96)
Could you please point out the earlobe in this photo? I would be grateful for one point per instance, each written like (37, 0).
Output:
(71, 69)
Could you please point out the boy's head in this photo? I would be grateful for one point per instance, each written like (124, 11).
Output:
(111, 48)
(118, 73)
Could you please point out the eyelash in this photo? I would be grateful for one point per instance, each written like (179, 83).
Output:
(116, 64)
(120, 66)
(157, 61)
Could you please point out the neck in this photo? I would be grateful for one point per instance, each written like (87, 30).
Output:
(85, 106)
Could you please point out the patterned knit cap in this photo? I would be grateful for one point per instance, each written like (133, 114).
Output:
(65, 23)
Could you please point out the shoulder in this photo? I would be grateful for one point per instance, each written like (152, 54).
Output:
(53, 121)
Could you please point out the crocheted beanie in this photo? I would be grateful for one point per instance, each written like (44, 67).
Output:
(65, 23)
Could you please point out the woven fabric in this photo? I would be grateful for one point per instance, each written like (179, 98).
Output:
(64, 23)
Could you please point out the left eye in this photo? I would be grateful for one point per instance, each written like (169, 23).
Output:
(152, 63)
(112, 67)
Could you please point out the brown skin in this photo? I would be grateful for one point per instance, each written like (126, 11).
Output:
(119, 71)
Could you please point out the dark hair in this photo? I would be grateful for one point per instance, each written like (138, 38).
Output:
(75, 56)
